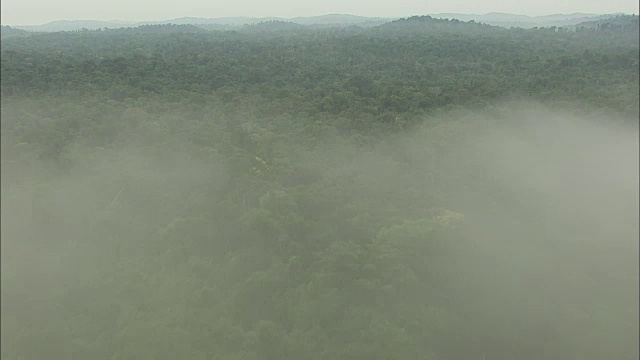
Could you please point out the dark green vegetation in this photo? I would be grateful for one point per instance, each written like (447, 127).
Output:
(287, 193)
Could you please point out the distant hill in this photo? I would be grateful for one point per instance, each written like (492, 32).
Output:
(329, 20)
(621, 22)
(228, 21)
(334, 19)
(72, 25)
(9, 31)
(273, 26)
(428, 24)
(162, 28)
(524, 21)
(222, 23)
(217, 27)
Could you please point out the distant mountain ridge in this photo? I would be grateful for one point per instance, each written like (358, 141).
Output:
(629, 23)
(222, 23)
(525, 21)
(9, 31)
(431, 25)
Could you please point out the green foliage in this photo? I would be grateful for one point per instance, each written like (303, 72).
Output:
(408, 66)
(170, 193)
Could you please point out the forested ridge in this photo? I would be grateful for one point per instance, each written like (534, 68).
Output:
(422, 189)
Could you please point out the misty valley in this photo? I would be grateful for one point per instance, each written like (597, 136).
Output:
(416, 189)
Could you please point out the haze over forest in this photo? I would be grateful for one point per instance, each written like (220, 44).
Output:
(329, 20)
(332, 187)
(33, 12)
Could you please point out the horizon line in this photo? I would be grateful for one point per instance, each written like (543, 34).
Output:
(133, 22)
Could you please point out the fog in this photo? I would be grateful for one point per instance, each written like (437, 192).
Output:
(551, 207)
(542, 264)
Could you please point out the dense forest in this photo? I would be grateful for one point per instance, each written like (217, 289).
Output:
(422, 189)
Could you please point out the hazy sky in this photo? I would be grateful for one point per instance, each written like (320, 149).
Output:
(31, 12)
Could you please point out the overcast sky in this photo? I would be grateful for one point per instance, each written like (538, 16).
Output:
(32, 12)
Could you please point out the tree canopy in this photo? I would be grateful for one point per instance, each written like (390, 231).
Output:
(402, 191)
